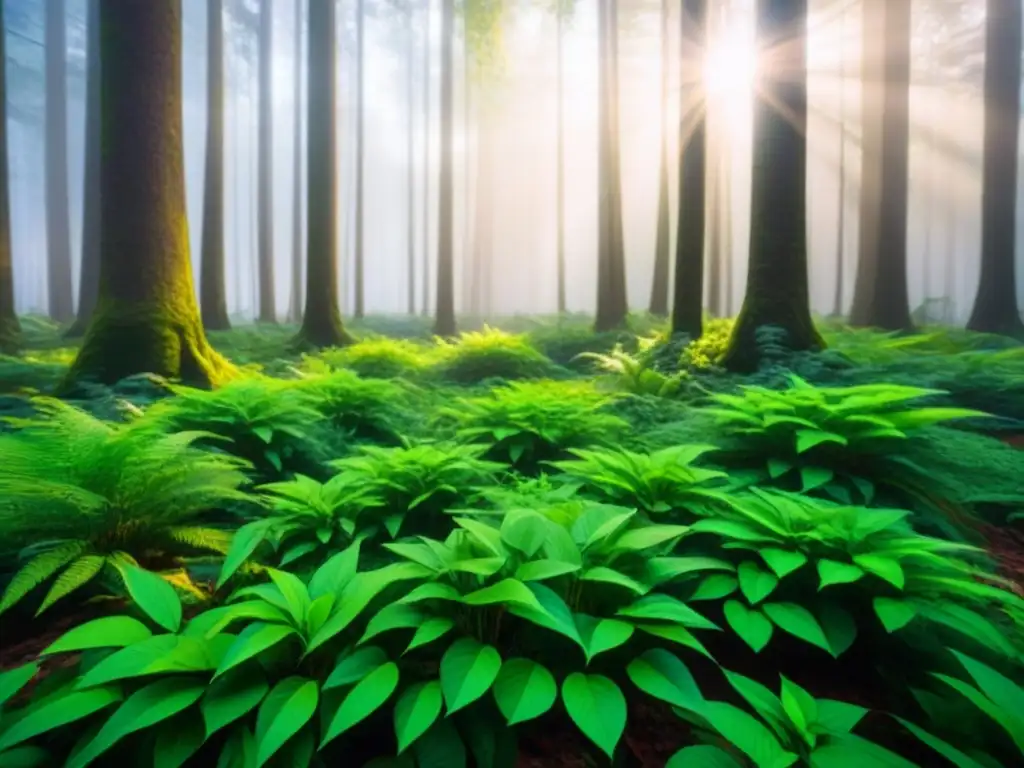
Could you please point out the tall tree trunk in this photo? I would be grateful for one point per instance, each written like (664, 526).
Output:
(444, 319)
(726, 208)
(321, 322)
(468, 193)
(479, 285)
(89, 277)
(840, 284)
(410, 177)
(295, 301)
(9, 327)
(146, 319)
(357, 279)
(663, 243)
(995, 305)
(560, 158)
(213, 303)
(880, 291)
(611, 287)
(714, 226)
(58, 221)
(777, 290)
(688, 293)
(265, 181)
(425, 308)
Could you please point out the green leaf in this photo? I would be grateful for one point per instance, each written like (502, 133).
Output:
(539, 570)
(429, 631)
(60, 711)
(288, 707)
(160, 653)
(178, 739)
(799, 622)
(232, 696)
(524, 690)
(607, 575)
(239, 750)
(107, 632)
(368, 695)
(294, 592)
(601, 635)
(894, 614)
(353, 666)
(762, 700)
(756, 584)
(838, 716)
(748, 735)
(662, 675)
(15, 679)
(675, 634)
(702, 756)
(152, 594)
(638, 539)
(750, 624)
(815, 477)
(883, 567)
(335, 574)
(948, 751)
(468, 669)
(416, 710)
(253, 640)
(243, 544)
(715, 587)
(391, 617)
(833, 572)
(806, 439)
(505, 592)
(148, 706)
(26, 757)
(799, 705)
(666, 608)
(598, 708)
(440, 747)
(1003, 692)
(840, 628)
(782, 561)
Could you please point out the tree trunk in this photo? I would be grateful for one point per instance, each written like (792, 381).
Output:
(321, 322)
(880, 291)
(995, 305)
(444, 320)
(560, 159)
(777, 291)
(837, 299)
(659, 286)
(146, 318)
(410, 169)
(612, 306)
(295, 301)
(9, 327)
(479, 283)
(357, 278)
(425, 308)
(265, 173)
(727, 265)
(687, 315)
(89, 277)
(58, 221)
(714, 226)
(212, 297)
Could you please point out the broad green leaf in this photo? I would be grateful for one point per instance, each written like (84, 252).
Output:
(440, 747)
(288, 707)
(154, 595)
(799, 622)
(748, 735)
(15, 679)
(894, 614)
(215, 620)
(806, 439)
(883, 567)
(702, 756)
(368, 695)
(1003, 692)
(607, 575)
(525, 532)
(429, 631)
(146, 707)
(715, 587)
(660, 607)
(948, 751)
(800, 706)
(840, 628)
(762, 700)
(833, 572)
(638, 539)
(524, 690)
(252, 641)
(432, 591)
(556, 615)
(662, 675)
(468, 669)
(160, 653)
(815, 477)
(505, 592)
(294, 592)
(239, 751)
(539, 570)
(598, 708)
(391, 617)
(59, 711)
(106, 632)
(850, 751)
(601, 635)
(335, 574)
(658, 570)
(838, 716)
(782, 561)
(749, 623)
(243, 544)
(675, 634)
(178, 739)
(416, 710)
(231, 696)
(353, 666)
(755, 583)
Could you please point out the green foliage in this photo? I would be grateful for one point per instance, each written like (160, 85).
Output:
(526, 423)
(363, 408)
(489, 354)
(636, 374)
(81, 498)
(707, 351)
(376, 357)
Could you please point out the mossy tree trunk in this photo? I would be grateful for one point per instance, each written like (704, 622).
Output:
(265, 172)
(444, 318)
(663, 242)
(995, 306)
(689, 272)
(9, 328)
(321, 322)
(58, 219)
(295, 300)
(880, 289)
(777, 291)
(89, 277)
(147, 318)
(212, 295)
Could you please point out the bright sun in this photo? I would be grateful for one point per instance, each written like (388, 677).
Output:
(730, 68)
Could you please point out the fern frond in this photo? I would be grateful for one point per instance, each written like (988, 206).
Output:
(39, 569)
(75, 576)
(197, 537)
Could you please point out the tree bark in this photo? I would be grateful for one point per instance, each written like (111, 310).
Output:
(777, 290)
(9, 326)
(687, 310)
(995, 306)
(560, 160)
(321, 322)
(410, 167)
(58, 221)
(840, 284)
(146, 319)
(425, 308)
(358, 279)
(295, 301)
(663, 242)
(213, 303)
(880, 291)
(265, 180)
(444, 319)
(89, 277)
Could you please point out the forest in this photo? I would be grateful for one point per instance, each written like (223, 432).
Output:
(511, 383)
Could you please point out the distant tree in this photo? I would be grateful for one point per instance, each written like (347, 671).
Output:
(147, 318)
(410, 200)
(427, 124)
(9, 327)
(89, 278)
(777, 291)
(687, 314)
(321, 321)
(659, 285)
(840, 284)
(444, 318)
(880, 292)
(212, 294)
(995, 305)
(295, 302)
(265, 173)
(58, 218)
(358, 261)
